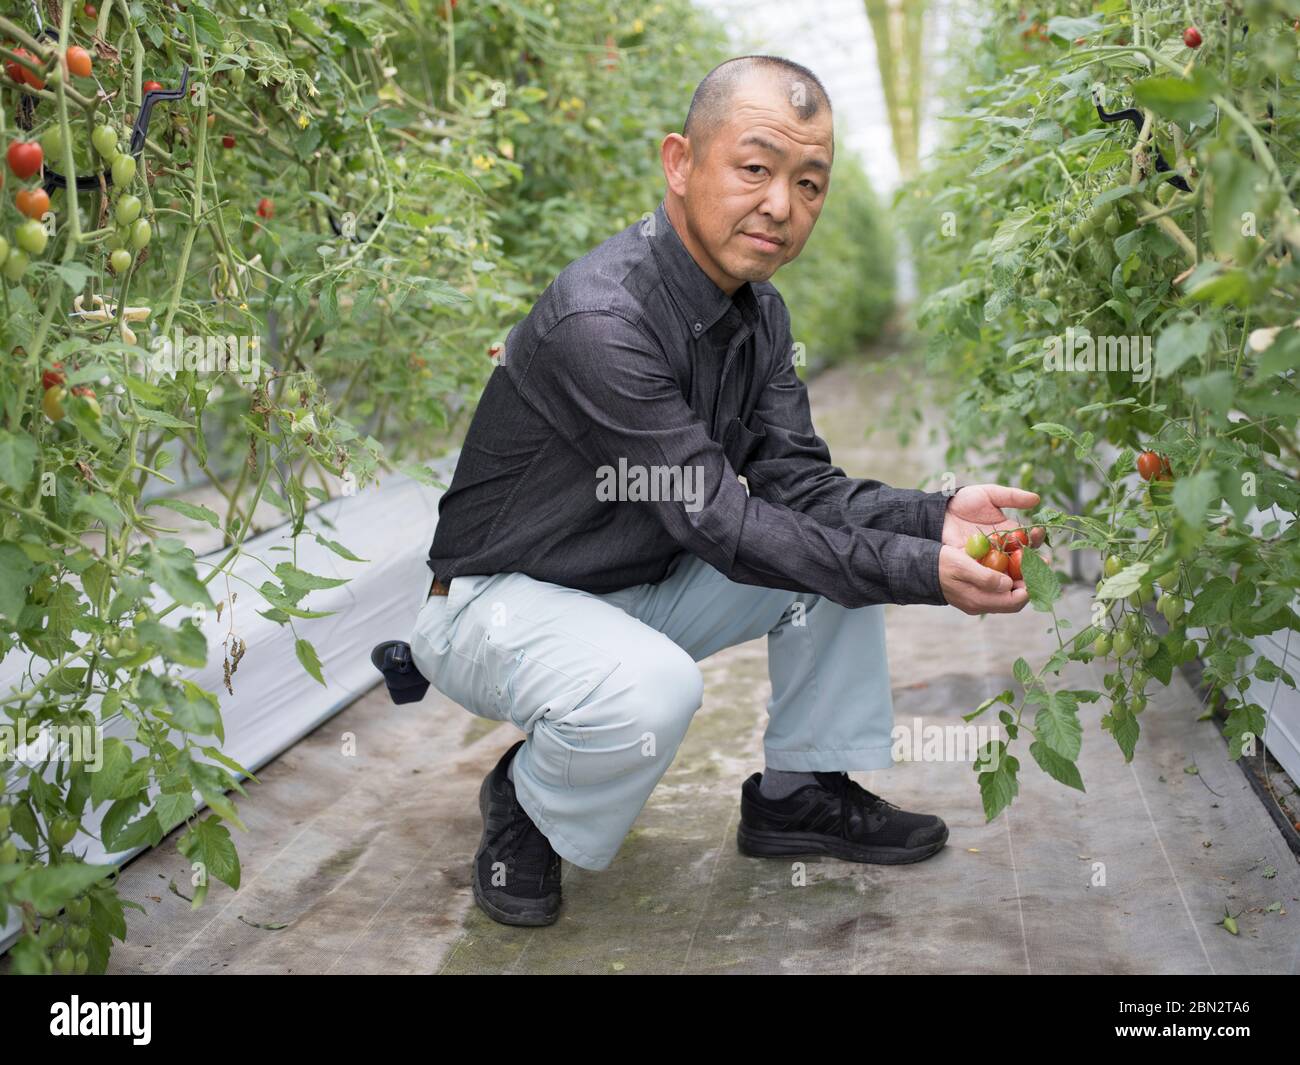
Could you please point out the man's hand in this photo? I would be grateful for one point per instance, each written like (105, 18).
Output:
(976, 589)
(978, 508)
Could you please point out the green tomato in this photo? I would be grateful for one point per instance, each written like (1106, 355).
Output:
(4, 250)
(1075, 233)
(1113, 565)
(31, 236)
(977, 545)
(1138, 703)
(1139, 677)
(62, 830)
(81, 963)
(1172, 607)
(65, 961)
(1134, 623)
(131, 641)
(1123, 643)
(140, 233)
(16, 265)
(236, 76)
(1111, 225)
(1101, 645)
(1190, 651)
(120, 261)
(50, 933)
(123, 170)
(78, 935)
(118, 238)
(104, 138)
(113, 644)
(1150, 645)
(128, 209)
(79, 909)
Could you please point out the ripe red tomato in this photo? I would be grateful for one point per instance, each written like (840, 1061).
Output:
(25, 158)
(51, 378)
(90, 11)
(1148, 464)
(228, 141)
(78, 60)
(1009, 540)
(1013, 566)
(1192, 37)
(32, 202)
(149, 86)
(996, 560)
(265, 208)
(20, 73)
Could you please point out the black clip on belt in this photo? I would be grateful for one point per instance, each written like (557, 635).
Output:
(406, 684)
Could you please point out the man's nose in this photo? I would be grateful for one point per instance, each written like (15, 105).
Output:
(776, 204)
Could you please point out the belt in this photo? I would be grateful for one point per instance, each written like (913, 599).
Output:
(438, 588)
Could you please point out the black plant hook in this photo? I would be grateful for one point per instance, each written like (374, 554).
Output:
(139, 131)
(1135, 116)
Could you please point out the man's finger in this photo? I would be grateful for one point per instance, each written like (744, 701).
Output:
(1002, 495)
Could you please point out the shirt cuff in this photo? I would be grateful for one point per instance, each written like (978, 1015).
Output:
(914, 572)
(928, 513)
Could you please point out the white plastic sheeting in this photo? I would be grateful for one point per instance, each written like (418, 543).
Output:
(275, 701)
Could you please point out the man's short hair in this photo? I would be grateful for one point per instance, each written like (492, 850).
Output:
(711, 103)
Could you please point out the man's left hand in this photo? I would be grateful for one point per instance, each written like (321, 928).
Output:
(978, 508)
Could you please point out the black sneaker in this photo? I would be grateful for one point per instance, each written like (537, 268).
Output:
(530, 894)
(836, 817)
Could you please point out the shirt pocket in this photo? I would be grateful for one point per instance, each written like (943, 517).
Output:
(739, 442)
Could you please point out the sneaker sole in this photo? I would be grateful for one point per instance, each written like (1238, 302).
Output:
(760, 844)
(528, 919)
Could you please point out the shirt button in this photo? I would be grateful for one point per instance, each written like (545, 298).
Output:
(698, 326)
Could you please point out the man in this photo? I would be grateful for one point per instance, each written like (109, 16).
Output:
(596, 542)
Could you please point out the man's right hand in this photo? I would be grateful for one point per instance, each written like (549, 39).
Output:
(976, 589)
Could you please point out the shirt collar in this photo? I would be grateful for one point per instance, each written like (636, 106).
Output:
(702, 302)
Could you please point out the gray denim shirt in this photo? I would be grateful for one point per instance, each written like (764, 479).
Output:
(634, 364)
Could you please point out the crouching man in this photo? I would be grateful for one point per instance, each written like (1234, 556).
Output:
(596, 542)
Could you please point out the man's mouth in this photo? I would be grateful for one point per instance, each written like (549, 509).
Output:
(764, 242)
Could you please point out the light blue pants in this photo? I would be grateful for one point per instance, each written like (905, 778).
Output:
(604, 686)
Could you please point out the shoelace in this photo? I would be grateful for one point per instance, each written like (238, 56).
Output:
(527, 853)
(858, 797)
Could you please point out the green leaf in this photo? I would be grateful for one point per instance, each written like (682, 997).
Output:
(191, 510)
(1180, 342)
(158, 417)
(999, 786)
(1193, 495)
(1072, 28)
(208, 841)
(1041, 581)
(307, 656)
(195, 710)
(1057, 725)
(17, 571)
(338, 548)
(1125, 582)
(17, 459)
(50, 887)
(1056, 766)
(1185, 100)
(1123, 725)
(292, 577)
(102, 508)
(1237, 186)
(171, 564)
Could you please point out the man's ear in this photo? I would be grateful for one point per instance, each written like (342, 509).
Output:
(677, 157)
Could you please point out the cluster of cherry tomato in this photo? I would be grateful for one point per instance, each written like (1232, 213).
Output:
(1001, 550)
(1151, 464)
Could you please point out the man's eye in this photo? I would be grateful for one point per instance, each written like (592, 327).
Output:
(812, 185)
(755, 167)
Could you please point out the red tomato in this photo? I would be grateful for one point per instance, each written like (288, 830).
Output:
(1013, 566)
(228, 141)
(51, 378)
(1192, 37)
(996, 560)
(78, 60)
(1148, 464)
(32, 202)
(265, 208)
(149, 86)
(25, 158)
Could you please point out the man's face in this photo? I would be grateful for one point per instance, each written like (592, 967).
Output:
(763, 174)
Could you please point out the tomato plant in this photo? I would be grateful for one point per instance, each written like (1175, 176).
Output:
(1123, 179)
